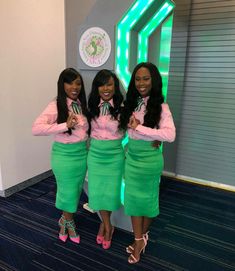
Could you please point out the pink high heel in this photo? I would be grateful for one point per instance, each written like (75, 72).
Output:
(70, 224)
(99, 237)
(132, 259)
(107, 244)
(62, 223)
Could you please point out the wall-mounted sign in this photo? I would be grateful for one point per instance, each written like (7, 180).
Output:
(94, 47)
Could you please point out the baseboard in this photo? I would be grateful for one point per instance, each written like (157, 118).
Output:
(43, 176)
(27, 183)
(222, 186)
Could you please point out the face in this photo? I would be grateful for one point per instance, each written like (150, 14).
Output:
(143, 81)
(73, 89)
(106, 91)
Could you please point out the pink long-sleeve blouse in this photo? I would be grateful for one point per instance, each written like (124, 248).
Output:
(105, 127)
(46, 124)
(166, 131)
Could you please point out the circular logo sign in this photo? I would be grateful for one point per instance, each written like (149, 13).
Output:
(94, 47)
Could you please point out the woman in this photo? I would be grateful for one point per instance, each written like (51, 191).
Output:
(65, 119)
(148, 120)
(106, 155)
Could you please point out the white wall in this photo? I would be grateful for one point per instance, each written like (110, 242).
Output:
(32, 54)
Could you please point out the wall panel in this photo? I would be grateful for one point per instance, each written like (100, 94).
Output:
(176, 75)
(207, 124)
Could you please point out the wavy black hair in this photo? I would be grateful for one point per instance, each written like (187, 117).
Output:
(68, 76)
(153, 108)
(102, 78)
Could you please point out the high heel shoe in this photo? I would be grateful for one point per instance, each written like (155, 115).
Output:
(130, 248)
(146, 235)
(99, 237)
(70, 224)
(64, 234)
(132, 259)
(107, 244)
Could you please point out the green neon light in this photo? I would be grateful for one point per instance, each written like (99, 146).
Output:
(148, 29)
(123, 37)
(165, 48)
(125, 141)
(123, 30)
(122, 191)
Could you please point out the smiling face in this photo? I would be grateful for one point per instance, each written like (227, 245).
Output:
(107, 90)
(73, 89)
(143, 81)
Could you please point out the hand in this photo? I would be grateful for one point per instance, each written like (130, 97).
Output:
(71, 121)
(80, 120)
(156, 144)
(133, 122)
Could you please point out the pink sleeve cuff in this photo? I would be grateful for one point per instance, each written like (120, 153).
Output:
(166, 131)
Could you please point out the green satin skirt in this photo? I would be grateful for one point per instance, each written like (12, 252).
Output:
(69, 165)
(105, 171)
(143, 168)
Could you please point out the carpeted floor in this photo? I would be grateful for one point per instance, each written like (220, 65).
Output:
(195, 231)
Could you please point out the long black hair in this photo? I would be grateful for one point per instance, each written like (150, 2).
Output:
(68, 76)
(153, 108)
(102, 78)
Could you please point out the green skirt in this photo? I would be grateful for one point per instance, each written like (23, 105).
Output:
(105, 171)
(69, 164)
(143, 168)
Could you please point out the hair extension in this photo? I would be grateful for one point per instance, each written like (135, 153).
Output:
(101, 78)
(153, 108)
(68, 76)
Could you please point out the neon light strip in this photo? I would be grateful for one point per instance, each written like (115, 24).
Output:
(165, 48)
(123, 37)
(148, 29)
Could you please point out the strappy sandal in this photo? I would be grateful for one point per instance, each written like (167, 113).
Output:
(70, 224)
(63, 234)
(132, 259)
(130, 248)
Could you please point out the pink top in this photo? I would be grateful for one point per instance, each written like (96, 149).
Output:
(46, 124)
(166, 131)
(105, 127)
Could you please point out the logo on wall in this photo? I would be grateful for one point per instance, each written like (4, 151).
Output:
(94, 47)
